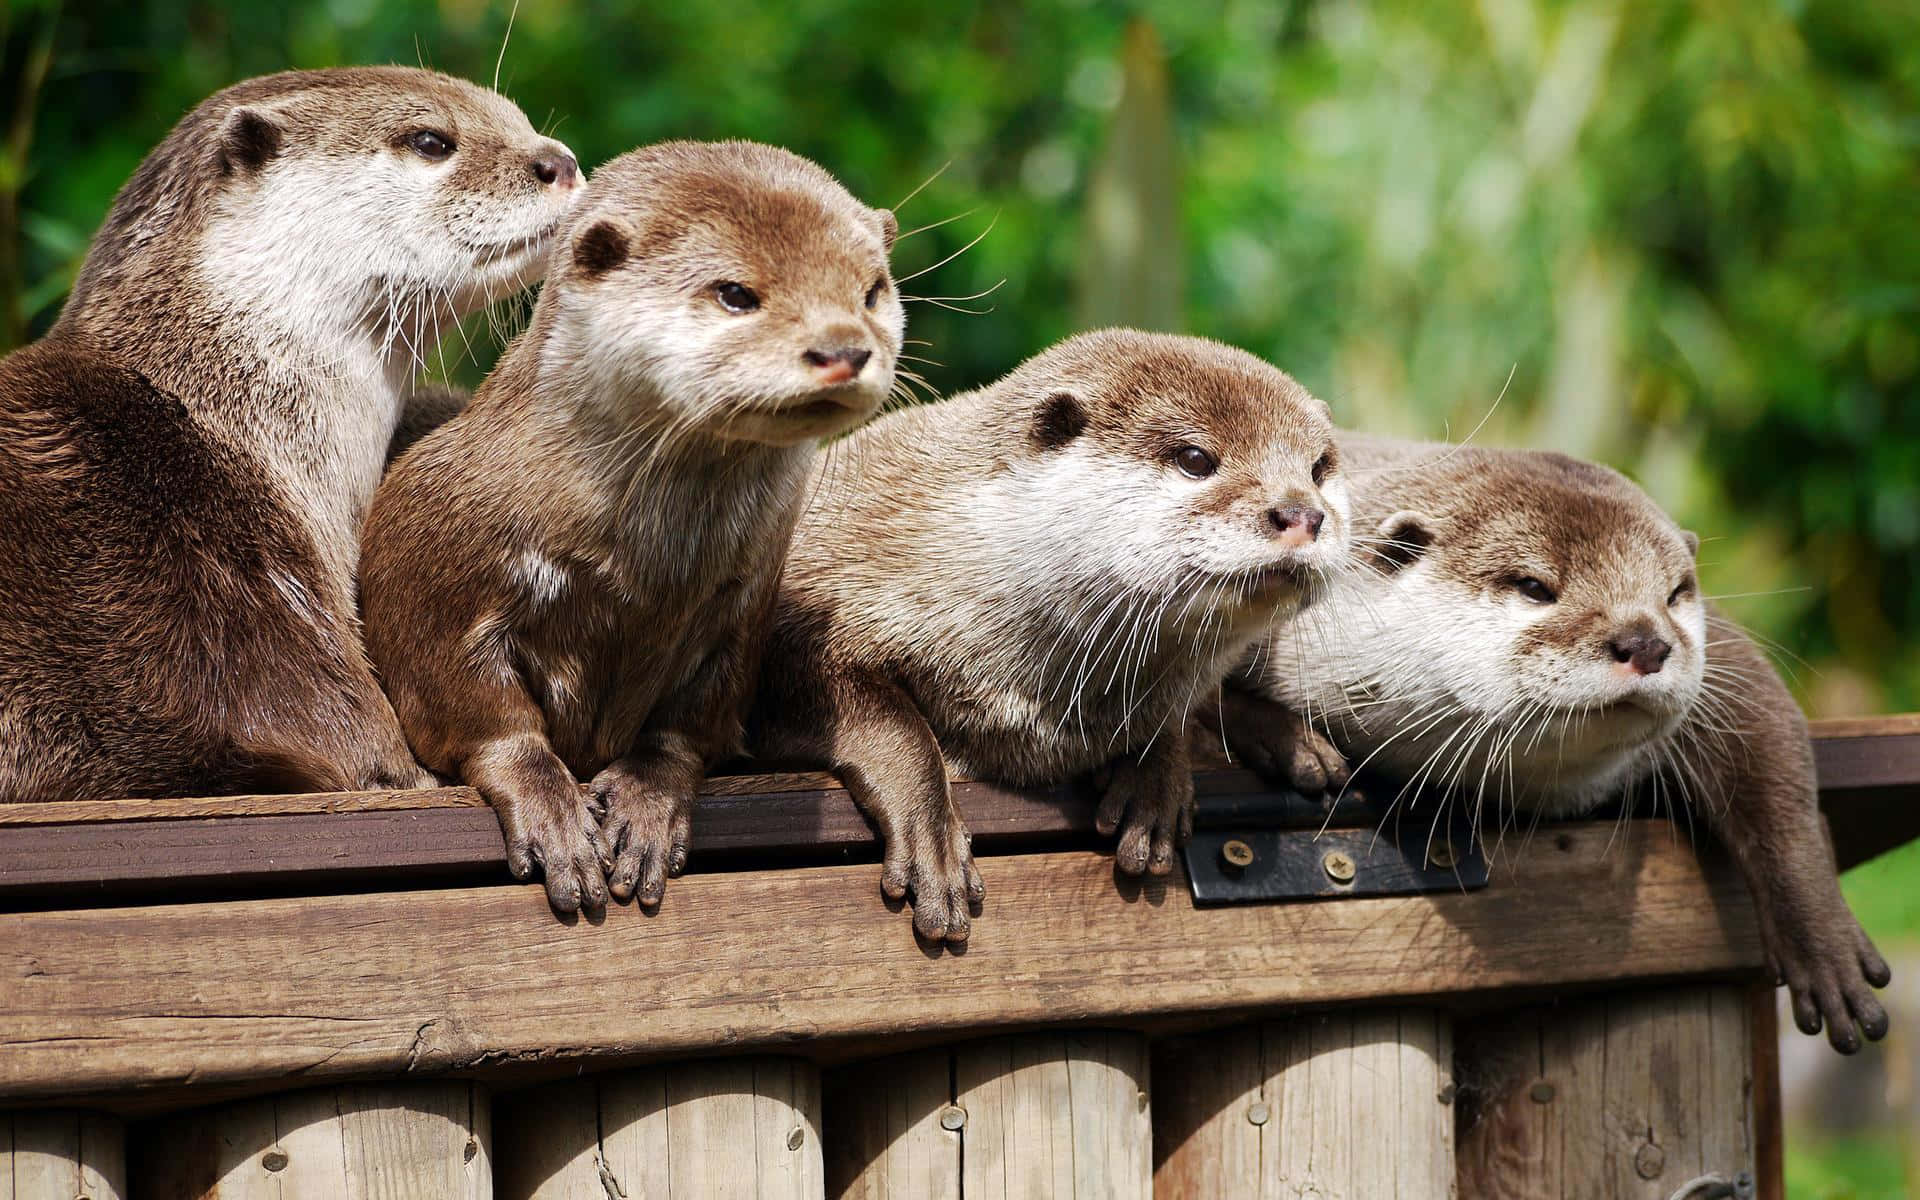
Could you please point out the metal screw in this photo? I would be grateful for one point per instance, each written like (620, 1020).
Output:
(1447, 1093)
(1339, 866)
(1649, 1160)
(1237, 854)
(1541, 1093)
(473, 1148)
(953, 1118)
(797, 1138)
(1258, 1113)
(1441, 854)
(274, 1160)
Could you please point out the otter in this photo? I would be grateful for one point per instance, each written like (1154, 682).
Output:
(1532, 632)
(571, 578)
(186, 455)
(1035, 581)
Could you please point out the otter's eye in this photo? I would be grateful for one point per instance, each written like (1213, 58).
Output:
(430, 145)
(1322, 467)
(736, 297)
(1195, 462)
(1680, 592)
(874, 293)
(1534, 590)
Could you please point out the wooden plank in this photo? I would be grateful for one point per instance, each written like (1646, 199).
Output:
(1633, 1095)
(1058, 1115)
(116, 1001)
(407, 1141)
(719, 1129)
(72, 812)
(62, 1155)
(1884, 726)
(1769, 1135)
(889, 1140)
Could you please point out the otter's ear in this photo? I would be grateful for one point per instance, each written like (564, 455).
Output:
(1692, 540)
(1059, 421)
(249, 139)
(600, 248)
(889, 226)
(1400, 539)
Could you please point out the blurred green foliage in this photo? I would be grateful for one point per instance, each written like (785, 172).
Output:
(1686, 228)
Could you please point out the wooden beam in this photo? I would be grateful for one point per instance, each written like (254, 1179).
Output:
(110, 1003)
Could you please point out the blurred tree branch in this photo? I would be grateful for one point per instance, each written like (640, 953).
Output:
(36, 59)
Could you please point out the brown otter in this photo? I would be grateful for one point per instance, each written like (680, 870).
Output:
(571, 578)
(1037, 580)
(185, 457)
(1533, 634)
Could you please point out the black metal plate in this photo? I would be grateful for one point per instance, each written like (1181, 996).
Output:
(1282, 863)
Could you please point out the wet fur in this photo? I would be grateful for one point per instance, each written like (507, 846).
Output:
(185, 456)
(1019, 582)
(1432, 669)
(571, 579)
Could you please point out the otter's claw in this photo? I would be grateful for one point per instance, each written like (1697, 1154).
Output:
(1831, 976)
(1153, 811)
(645, 833)
(932, 867)
(563, 843)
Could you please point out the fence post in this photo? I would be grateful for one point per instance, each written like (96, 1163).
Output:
(1351, 1105)
(62, 1155)
(1062, 1115)
(716, 1129)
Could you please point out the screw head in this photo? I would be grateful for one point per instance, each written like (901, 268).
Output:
(796, 1138)
(1441, 855)
(953, 1118)
(1236, 854)
(1541, 1093)
(1339, 866)
(1258, 1112)
(1649, 1160)
(274, 1160)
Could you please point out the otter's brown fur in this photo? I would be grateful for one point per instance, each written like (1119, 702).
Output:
(572, 577)
(185, 456)
(1613, 676)
(1023, 578)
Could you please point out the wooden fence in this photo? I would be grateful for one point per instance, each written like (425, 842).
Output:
(321, 996)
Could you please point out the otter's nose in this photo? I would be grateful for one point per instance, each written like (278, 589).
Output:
(837, 366)
(1643, 651)
(1296, 524)
(556, 170)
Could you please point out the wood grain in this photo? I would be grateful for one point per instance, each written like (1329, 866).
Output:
(1037, 1115)
(1350, 1104)
(115, 1001)
(403, 1141)
(717, 1129)
(1630, 1096)
(61, 1155)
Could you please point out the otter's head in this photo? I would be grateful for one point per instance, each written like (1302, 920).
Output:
(1207, 473)
(384, 194)
(737, 284)
(1554, 598)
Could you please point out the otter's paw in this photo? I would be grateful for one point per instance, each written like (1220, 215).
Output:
(930, 865)
(646, 827)
(562, 840)
(1153, 811)
(1284, 748)
(1831, 977)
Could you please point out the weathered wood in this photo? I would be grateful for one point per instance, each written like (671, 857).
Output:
(406, 1141)
(118, 1000)
(62, 1155)
(1054, 1115)
(1349, 1105)
(1628, 1096)
(116, 850)
(717, 1129)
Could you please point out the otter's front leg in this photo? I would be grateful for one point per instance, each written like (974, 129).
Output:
(870, 734)
(1277, 743)
(645, 804)
(1149, 799)
(1754, 776)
